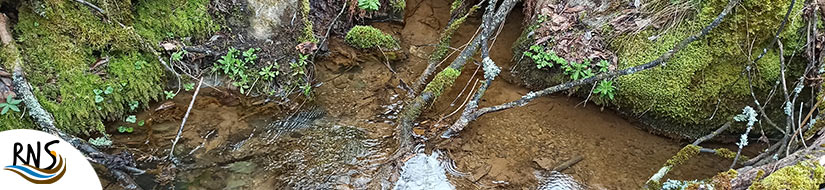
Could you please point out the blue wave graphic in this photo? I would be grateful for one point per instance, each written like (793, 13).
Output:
(30, 172)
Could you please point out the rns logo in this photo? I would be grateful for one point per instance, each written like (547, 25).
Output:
(34, 173)
(35, 160)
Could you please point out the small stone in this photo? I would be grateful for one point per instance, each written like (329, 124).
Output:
(544, 163)
(243, 167)
(480, 172)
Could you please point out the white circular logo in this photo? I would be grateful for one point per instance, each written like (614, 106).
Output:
(33, 159)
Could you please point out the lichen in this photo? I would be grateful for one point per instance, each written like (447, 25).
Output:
(683, 155)
(366, 37)
(685, 90)
(60, 48)
(803, 175)
(442, 81)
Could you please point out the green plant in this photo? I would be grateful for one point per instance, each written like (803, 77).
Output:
(606, 89)
(188, 86)
(133, 105)
(10, 104)
(307, 89)
(366, 37)
(98, 95)
(169, 94)
(177, 56)
(141, 123)
(235, 66)
(369, 5)
(124, 129)
(131, 119)
(298, 67)
(543, 58)
(268, 73)
(100, 141)
(578, 71)
(603, 66)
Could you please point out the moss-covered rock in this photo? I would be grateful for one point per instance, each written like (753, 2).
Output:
(366, 37)
(683, 94)
(803, 175)
(62, 40)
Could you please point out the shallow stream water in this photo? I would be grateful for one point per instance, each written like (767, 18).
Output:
(336, 141)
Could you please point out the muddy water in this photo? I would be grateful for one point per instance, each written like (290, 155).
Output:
(335, 141)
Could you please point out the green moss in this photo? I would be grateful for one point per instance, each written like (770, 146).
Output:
(309, 35)
(156, 20)
(683, 155)
(803, 175)
(455, 5)
(447, 35)
(725, 153)
(60, 48)
(722, 179)
(366, 37)
(685, 91)
(443, 80)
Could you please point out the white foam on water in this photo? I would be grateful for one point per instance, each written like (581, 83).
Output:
(423, 172)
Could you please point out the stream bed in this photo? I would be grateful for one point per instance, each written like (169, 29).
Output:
(337, 140)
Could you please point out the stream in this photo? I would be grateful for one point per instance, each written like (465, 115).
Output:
(337, 140)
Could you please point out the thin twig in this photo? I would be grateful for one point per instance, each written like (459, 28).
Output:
(183, 122)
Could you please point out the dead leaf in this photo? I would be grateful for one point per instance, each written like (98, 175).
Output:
(169, 46)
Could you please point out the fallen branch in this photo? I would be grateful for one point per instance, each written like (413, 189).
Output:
(461, 123)
(183, 122)
(568, 163)
(441, 48)
(45, 122)
(685, 154)
(747, 175)
(444, 79)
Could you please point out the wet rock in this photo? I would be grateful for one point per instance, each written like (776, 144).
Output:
(267, 16)
(243, 167)
(480, 172)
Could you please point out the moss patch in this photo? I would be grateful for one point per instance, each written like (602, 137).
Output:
(722, 179)
(683, 155)
(309, 35)
(803, 175)
(159, 19)
(443, 80)
(685, 91)
(63, 41)
(366, 37)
